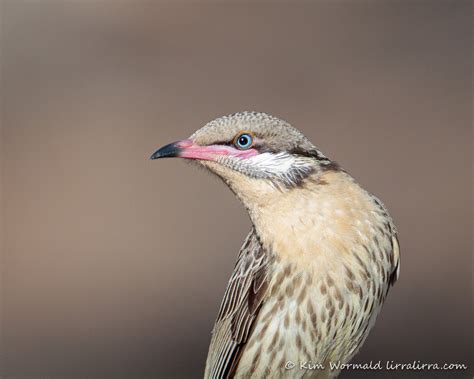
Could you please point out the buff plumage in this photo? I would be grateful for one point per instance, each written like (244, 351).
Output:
(315, 269)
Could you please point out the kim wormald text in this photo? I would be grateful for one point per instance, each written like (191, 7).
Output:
(377, 365)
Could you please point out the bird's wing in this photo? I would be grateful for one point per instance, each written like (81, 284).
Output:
(395, 259)
(395, 253)
(239, 309)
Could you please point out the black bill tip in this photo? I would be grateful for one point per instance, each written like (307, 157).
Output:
(168, 151)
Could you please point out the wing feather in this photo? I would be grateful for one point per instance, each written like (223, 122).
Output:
(239, 308)
(395, 253)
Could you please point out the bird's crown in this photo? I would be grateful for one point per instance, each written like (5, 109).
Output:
(274, 133)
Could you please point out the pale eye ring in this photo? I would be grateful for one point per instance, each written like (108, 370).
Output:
(243, 141)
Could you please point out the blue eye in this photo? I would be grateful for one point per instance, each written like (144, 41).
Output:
(243, 141)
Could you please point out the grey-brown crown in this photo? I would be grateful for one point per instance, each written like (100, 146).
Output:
(277, 134)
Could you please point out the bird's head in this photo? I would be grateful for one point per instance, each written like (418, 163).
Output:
(251, 149)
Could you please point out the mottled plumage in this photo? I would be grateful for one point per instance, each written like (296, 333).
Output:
(314, 271)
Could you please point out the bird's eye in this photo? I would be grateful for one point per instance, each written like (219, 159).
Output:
(243, 141)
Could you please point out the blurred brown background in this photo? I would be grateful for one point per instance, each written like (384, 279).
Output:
(114, 266)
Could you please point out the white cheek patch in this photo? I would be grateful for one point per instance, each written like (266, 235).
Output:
(275, 164)
(278, 164)
(280, 168)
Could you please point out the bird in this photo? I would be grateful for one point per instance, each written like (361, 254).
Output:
(315, 269)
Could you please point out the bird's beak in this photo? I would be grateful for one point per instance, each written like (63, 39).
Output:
(188, 149)
(169, 151)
